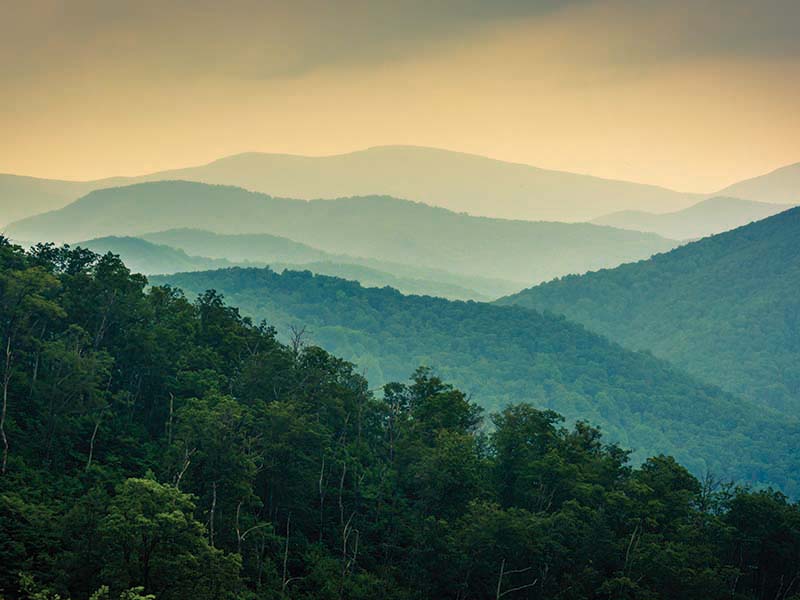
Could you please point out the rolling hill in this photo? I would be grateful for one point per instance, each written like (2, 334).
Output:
(705, 218)
(376, 227)
(781, 185)
(258, 247)
(145, 257)
(726, 308)
(22, 197)
(453, 180)
(503, 354)
(269, 249)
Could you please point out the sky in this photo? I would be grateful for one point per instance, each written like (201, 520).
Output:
(688, 94)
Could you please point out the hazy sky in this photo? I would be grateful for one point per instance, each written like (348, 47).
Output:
(691, 94)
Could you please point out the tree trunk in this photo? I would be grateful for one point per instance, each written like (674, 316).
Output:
(91, 444)
(321, 498)
(4, 411)
(211, 514)
(285, 578)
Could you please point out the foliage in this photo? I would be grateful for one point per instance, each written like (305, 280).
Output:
(168, 449)
(725, 308)
(502, 355)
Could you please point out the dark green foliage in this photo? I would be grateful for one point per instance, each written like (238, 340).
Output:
(168, 450)
(726, 308)
(502, 355)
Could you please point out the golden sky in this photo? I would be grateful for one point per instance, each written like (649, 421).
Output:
(690, 94)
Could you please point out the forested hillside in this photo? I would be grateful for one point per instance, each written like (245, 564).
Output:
(378, 227)
(160, 448)
(500, 355)
(726, 308)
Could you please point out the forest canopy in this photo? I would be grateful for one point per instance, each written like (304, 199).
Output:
(503, 355)
(726, 308)
(157, 447)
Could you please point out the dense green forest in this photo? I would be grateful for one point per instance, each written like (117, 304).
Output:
(155, 447)
(378, 227)
(726, 308)
(501, 355)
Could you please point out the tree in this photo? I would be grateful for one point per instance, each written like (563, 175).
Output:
(153, 540)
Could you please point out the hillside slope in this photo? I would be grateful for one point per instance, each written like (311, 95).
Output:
(156, 447)
(781, 185)
(141, 256)
(22, 197)
(725, 308)
(505, 354)
(145, 257)
(705, 218)
(377, 227)
(274, 250)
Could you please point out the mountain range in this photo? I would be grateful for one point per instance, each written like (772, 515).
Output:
(378, 227)
(454, 180)
(725, 308)
(502, 354)
(264, 248)
(781, 186)
(148, 258)
(705, 218)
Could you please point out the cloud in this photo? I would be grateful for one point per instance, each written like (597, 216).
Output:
(262, 39)
(254, 38)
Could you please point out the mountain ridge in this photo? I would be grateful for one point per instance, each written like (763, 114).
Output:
(780, 185)
(378, 227)
(707, 217)
(459, 181)
(724, 308)
(501, 354)
(149, 258)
